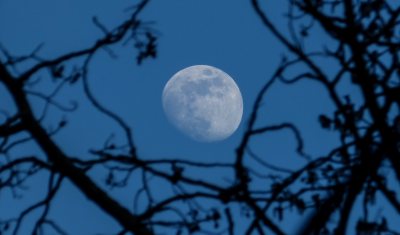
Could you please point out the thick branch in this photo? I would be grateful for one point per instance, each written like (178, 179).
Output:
(63, 165)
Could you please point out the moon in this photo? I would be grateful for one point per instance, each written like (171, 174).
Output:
(203, 102)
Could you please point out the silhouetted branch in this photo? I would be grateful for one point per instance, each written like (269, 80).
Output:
(280, 127)
(105, 111)
(111, 38)
(362, 54)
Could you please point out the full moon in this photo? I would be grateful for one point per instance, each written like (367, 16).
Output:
(203, 102)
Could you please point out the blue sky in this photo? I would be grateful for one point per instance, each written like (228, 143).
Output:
(226, 34)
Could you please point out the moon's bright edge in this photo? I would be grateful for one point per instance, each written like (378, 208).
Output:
(203, 102)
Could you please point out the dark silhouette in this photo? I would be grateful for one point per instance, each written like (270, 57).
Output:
(365, 43)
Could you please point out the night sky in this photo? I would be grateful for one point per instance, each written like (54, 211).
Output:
(226, 34)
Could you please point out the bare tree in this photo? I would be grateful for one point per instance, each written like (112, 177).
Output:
(364, 43)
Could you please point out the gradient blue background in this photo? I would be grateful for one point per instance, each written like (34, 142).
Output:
(226, 34)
